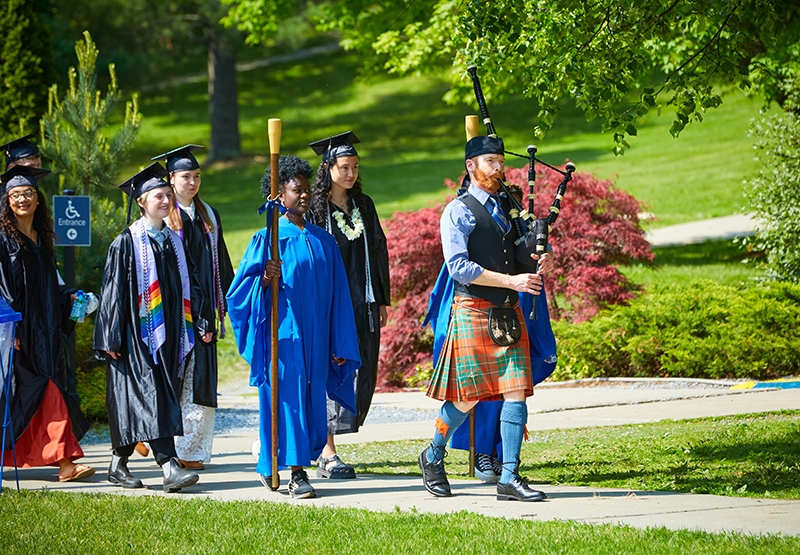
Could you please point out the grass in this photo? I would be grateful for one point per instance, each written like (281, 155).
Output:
(724, 261)
(751, 455)
(747, 455)
(47, 522)
(412, 141)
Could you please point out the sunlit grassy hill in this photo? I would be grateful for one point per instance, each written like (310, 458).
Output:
(412, 141)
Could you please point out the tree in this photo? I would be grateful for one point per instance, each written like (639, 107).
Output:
(774, 195)
(223, 108)
(74, 129)
(26, 67)
(617, 59)
(154, 39)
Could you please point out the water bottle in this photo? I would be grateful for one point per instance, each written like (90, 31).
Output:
(78, 312)
(92, 302)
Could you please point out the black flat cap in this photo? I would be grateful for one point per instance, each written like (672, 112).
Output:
(21, 176)
(19, 148)
(180, 159)
(336, 146)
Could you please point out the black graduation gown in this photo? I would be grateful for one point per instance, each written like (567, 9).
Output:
(198, 246)
(143, 395)
(367, 314)
(28, 282)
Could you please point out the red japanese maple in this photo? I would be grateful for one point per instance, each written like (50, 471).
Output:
(597, 230)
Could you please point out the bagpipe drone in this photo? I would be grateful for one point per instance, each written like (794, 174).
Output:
(532, 233)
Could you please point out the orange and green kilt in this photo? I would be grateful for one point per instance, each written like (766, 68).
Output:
(474, 368)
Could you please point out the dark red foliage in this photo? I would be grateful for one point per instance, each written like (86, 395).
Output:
(597, 229)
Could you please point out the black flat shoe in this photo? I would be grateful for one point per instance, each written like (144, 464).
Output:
(119, 474)
(518, 490)
(433, 475)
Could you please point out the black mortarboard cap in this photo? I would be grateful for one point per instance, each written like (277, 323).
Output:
(152, 177)
(21, 176)
(19, 148)
(336, 146)
(483, 145)
(180, 159)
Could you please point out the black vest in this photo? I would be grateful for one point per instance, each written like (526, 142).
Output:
(488, 247)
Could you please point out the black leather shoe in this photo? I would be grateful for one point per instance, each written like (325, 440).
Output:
(177, 477)
(433, 475)
(518, 490)
(119, 474)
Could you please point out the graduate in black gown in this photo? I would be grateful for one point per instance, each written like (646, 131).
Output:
(150, 306)
(200, 228)
(47, 421)
(22, 152)
(340, 206)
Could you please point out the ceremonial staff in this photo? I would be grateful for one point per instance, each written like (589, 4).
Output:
(531, 233)
(471, 128)
(274, 126)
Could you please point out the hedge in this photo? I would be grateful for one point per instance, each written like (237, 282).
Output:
(700, 330)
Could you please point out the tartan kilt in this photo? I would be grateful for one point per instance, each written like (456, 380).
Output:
(471, 366)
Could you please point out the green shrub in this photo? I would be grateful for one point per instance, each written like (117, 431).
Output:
(703, 330)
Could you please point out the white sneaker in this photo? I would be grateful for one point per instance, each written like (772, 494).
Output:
(256, 449)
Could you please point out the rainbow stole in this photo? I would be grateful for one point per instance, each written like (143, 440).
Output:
(151, 311)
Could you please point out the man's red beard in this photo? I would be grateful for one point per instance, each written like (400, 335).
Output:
(484, 180)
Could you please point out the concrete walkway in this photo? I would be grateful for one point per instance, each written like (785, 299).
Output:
(713, 229)
(231, 475)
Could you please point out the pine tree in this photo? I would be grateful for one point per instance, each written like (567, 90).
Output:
(26, 67)
(74, 135)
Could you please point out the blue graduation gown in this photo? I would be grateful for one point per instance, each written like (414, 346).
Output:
(543, 358)
(315, 322)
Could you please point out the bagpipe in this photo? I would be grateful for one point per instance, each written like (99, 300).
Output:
(532, 233)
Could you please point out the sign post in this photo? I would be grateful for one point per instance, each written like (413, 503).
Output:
(72, 224)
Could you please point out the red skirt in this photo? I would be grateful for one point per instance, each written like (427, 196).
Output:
(48, 437)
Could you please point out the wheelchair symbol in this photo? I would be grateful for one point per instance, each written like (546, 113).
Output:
(70, 212)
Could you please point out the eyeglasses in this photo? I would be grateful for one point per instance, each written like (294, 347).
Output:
(28, 193)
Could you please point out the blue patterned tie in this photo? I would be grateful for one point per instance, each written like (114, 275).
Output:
(498, 215)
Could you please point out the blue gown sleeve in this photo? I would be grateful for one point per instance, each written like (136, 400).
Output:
(540, 332)
(248, 308)
(439, 305)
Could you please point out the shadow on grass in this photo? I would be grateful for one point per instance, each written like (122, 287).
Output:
(701, 254)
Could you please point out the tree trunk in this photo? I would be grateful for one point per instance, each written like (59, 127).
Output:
(223, 109)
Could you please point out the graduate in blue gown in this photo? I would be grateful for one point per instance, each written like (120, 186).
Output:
(317, 342)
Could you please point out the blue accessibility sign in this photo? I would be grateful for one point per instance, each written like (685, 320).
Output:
(72, 221)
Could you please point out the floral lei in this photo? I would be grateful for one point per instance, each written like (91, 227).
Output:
(352, 233)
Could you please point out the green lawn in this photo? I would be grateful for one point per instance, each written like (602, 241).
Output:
(747, 455)
(47, 523)
(723, 261)
(744, 455)
(413, 141)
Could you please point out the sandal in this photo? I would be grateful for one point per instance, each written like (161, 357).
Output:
(79, 473)
(337, 471)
